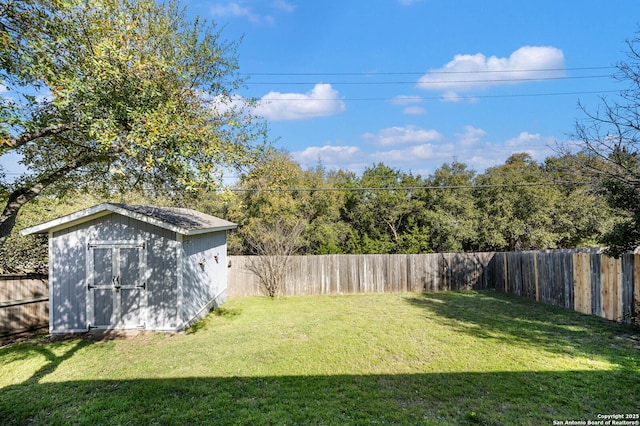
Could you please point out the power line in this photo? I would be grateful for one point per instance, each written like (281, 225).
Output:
(373, 73)
(426, 98)
(419, 83)
(413, 188)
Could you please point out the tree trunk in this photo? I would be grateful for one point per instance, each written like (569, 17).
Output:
(17, 199)
(21, 196)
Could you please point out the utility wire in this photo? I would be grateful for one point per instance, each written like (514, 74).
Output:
(435, 82)
(426, 98)
(413, 188)
(365, 74)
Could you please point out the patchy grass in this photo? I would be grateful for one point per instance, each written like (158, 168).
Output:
(434, 359)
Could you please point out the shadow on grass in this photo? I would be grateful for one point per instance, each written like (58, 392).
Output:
(519, 321)
(53, 354)
(53, 360)
(456, 398)
(489, 398)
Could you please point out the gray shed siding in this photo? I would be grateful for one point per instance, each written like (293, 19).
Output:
(69, 274)
(204, 279)
(179, 290)
(67, 287)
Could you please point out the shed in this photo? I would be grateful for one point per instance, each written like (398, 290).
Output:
(118, 266)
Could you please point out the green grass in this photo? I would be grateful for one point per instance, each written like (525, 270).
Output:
(448, 358)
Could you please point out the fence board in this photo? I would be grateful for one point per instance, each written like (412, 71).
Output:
(609, 287)
(24, 303)
(626, 296)
(596, 284)
(636, 285)
(582, 282)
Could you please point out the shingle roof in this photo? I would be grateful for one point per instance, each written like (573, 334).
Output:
(180, 220)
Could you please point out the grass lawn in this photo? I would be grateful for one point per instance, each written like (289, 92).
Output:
(434, 359)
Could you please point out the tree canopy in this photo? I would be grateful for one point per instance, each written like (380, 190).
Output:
(609, 143)
(519, 205)
(120, 94)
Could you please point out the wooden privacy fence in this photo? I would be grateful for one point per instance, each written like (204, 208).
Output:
(371, 273)
(583, 280)
(24, 303)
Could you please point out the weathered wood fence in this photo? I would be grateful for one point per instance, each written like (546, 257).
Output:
(371, 273)
(584, 280)
(24, 303)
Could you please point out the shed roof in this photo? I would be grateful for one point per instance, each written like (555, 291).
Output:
(180, 220)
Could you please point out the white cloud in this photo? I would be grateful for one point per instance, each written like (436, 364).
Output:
(414, 110)
(467, 72)
(322, 100)
(525, 139)
(284, 6)
(402, 135)
(471, 136)
(420, 152)
(237, 10)
(451, 96)
(410, 104)
(327, 154)
(3, 88)
(224, 104)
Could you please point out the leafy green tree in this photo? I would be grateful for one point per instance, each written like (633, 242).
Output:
(582, 215)
(516, 206)
(120, 94)
(451, 213)
(609, 140)
(321, 206)
(265, 197)
(381, 210)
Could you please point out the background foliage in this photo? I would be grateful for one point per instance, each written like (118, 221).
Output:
(382, 211)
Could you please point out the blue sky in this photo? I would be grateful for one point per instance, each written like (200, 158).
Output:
(418, 83)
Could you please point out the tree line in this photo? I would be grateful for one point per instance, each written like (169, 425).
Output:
(519, 205)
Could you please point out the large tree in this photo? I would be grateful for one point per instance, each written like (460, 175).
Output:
(451, 213)
(119, 93)
(517, 204)
(609, 140)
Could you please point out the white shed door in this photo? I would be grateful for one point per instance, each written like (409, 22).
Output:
(116, 289)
